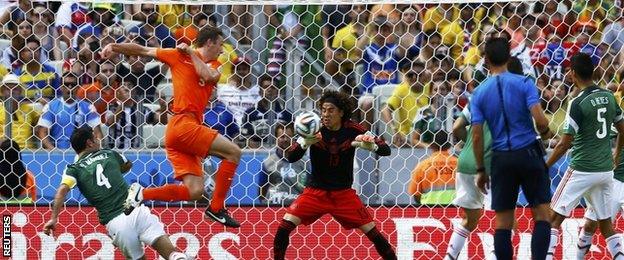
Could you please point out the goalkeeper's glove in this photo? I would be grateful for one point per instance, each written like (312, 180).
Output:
(365, 141)
(306, 142)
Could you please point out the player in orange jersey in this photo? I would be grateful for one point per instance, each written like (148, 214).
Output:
(187, 140)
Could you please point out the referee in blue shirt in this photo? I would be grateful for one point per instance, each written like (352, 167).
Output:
(509, 103)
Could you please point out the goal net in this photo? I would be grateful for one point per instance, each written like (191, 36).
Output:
(410, 66)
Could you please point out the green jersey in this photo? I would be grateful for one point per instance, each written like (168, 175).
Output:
(618, 174)
(427, 124)
(99, 178)
(466, 163)
(589, 120)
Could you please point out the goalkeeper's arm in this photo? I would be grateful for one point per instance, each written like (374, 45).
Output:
(369, 142)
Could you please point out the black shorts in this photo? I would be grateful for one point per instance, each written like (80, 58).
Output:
(521, 168)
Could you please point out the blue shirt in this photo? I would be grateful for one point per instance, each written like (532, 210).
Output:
(161, 32)
(381, 65)
(221, 119)
(519, 94)
(259, 121)
(61, 119)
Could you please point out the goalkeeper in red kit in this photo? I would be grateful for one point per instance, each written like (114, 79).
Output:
(328, 188)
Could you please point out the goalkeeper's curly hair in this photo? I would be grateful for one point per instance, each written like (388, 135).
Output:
(340, 100)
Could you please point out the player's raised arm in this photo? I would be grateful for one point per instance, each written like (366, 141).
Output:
(206, 72)
(59, 198)
(131, 49)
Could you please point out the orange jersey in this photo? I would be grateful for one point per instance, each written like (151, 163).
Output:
(190, 93)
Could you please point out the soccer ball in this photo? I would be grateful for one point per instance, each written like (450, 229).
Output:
(307, 124)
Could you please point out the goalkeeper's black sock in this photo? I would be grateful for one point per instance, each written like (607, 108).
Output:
(381, 244)
(280, 244)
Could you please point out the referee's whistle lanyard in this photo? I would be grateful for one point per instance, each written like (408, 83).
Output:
(505, 120)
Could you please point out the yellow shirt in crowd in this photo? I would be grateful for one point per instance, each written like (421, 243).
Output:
(226, 58)
(406, 104)
(25, 120)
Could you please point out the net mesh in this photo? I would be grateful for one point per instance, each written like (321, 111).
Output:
(411, 68)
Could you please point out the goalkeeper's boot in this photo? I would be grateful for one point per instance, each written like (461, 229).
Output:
(134, 199)
(222, 216)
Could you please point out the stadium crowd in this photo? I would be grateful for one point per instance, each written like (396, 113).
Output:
(412, 68)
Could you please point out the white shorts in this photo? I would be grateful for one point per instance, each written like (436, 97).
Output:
(595, 187)
(129, 233)
(468, 195)
(617, 202)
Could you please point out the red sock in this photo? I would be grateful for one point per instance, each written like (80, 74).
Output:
(223, 181)
(168, 192)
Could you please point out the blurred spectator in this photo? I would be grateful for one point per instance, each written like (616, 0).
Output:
(390, 11)
(85, 63)
(145, 80)
(459, 34)
(13, 14)
(556, 110)
(3, 71)
(344, 50)
(151, 31)
(406, 100)
(22, 114)
(439, 16)
(39, 79)
(259, 121)
(290, 22)
(18, 183)
(552, 18)
(102, 91)
(102, 16)
(239, 94)
(432, 46)
(41, 19)
(613, 34)
(433, 179)
(435, 117)
(64, 114)
(458, 89)
(172, 15)
(597, 12)
(240, 20)
(124, 116)
(9, 55)
(333, 19)
(281, 182)
(381, 62)
(410, 35)
(219, 118)
(69, 17)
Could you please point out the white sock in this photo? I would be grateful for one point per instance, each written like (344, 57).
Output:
(458, 239)
(492, 255)
(584, 244)
(178, 256)
(554, 239)
(614, 245)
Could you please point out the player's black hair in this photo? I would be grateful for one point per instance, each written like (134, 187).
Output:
(207, 33)
(515, 66)
(440, 141)
(340, 100)
(12, 170)
(79, 138)
(582, 65)
(497, 51)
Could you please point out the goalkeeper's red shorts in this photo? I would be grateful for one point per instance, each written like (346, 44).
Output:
(344, 205)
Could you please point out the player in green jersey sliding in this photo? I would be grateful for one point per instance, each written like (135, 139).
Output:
(98, 175)
(590, 174)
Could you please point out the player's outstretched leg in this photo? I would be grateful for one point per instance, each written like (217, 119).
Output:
(382, 245)
(230, 155)
(282, 238)
(462, 232)
(134, 199)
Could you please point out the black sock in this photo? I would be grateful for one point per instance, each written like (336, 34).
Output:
(282, 239)
(381, 244)
(502, 244)
(540, 240)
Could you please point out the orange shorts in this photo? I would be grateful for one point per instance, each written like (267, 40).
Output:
(187, 143)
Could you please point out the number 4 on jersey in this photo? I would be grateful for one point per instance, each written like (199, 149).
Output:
(100, 179)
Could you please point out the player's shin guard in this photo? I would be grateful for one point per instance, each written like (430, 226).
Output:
(223, 180)
(282, 239)
(584, 244)
(458, 239)
(168, 192)
(381, 244)
(540, 239)
(552, 245)
(502, 244)
(614, 245)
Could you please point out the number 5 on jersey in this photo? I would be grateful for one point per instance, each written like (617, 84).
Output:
(602, 132)
(100, 179)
